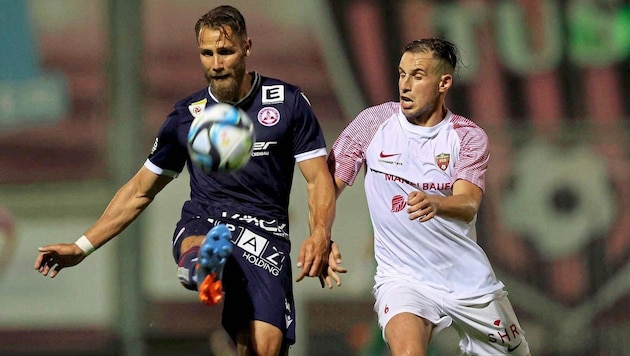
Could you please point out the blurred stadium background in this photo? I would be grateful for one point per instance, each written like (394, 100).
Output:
(85, 84)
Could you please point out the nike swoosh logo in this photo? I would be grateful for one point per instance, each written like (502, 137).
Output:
(383, 155)
(510, 349)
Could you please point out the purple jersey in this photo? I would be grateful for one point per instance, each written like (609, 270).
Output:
(286, 131)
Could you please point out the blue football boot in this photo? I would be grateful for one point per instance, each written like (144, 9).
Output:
(213, 253)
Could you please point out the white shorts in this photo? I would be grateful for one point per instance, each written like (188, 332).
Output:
(486, 325)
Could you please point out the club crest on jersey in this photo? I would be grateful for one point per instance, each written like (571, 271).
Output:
(398, 203)
(442, 160)
(197, 107)
(268, 116)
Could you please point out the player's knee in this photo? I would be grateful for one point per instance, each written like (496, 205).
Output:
(406, 348)
(260, 347)
(265, 350)
(262, 343)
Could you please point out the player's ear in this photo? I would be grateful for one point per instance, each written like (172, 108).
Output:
(248, 46)
(445, 82)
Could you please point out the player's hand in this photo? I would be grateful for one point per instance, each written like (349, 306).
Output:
(333, 268)
(420, 207)
(313, 256)
(53, 258)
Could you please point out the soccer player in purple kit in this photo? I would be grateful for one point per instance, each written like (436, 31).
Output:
(424, 182)
(233, 235)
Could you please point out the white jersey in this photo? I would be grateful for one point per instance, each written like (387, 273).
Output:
(400, 158)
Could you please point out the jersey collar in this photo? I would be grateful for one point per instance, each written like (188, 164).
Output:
(256, 80)
(422, 130)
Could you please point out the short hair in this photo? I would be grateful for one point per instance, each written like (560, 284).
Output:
(441, 49)
(220, 17)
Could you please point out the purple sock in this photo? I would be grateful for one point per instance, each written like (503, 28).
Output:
(186, 268)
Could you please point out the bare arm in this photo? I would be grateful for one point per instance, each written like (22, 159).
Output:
(130, 200)
(334, 257)
(314, 251)
(339, 186)
(462, 205)
(126, 205)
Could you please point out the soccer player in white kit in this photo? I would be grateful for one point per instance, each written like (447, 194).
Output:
(424, 182)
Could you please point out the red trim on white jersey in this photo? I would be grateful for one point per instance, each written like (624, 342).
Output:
(400, 158)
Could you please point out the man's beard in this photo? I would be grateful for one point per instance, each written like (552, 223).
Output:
(227, 90)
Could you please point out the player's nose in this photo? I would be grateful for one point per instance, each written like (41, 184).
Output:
(217, 64)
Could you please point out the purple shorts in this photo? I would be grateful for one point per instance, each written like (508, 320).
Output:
(257, 278)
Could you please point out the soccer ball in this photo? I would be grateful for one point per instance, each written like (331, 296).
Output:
(221, 139)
